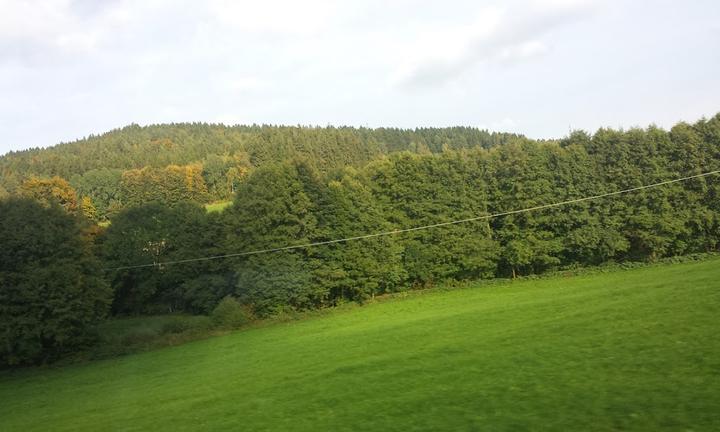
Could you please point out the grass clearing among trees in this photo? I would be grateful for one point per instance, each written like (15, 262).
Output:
(217, 206)
(628, 350)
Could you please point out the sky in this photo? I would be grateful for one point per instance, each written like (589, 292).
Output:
(70, 68)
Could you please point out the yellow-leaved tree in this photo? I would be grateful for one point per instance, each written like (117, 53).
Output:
(48, 190)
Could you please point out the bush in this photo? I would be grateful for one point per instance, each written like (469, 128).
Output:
(201, 294)
(177, 325)
(140, 336)
(284, 313)
(181, 324)
(230, 314)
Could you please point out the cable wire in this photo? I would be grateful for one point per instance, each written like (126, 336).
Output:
(418, 228)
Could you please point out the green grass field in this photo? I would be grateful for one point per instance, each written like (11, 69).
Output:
(217, 206)
(628, 350)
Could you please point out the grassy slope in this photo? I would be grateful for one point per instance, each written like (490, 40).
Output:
(217, 206)
(630, 350)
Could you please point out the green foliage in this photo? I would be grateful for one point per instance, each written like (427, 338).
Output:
(201, 294)
(300, 201)
(361, 269)
(223, 173)
(103, 187)
(299, 185)
(154, 233)
(170, 185)
(230, 314)
(630, 350)
(273, 208)
(153, 161)
(423, 190)
(51, 289)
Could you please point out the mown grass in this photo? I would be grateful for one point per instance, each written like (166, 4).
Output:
(628, 350)
(217, 206)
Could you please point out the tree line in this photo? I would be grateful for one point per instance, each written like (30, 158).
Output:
(292, 202)
(205, 162)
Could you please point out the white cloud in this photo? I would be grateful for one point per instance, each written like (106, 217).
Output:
(247, 84)
(274, 16)
(505, 124)
(77, 41)
(523, 51)
(435, 51)
(41, 32)
(37, 19)
(506, 35)
(71, 67)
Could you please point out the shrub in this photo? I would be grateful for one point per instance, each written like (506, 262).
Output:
(201, 294)
(230, 314)
(177, 325)
(181, 324)
(139, 336)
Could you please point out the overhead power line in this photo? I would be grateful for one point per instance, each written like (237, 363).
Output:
(418, 228)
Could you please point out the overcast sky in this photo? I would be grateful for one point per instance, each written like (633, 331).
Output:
(71, 68)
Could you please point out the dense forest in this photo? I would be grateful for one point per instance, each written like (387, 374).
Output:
(299, 185)
(204, 162)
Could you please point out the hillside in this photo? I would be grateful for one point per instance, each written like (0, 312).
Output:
(655, 197)
(218, 149)
(205, 163)
(628, 350)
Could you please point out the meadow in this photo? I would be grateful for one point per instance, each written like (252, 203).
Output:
(217, 206)
(630, 349)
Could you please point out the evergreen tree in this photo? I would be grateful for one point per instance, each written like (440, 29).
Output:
(422, 190)
(355, 270)
(272, 209)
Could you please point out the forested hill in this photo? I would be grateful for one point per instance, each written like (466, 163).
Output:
(205, 162)
(158, 254)
(212, 145)
(198, 162)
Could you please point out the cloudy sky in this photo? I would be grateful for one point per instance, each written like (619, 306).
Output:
(69, 68)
